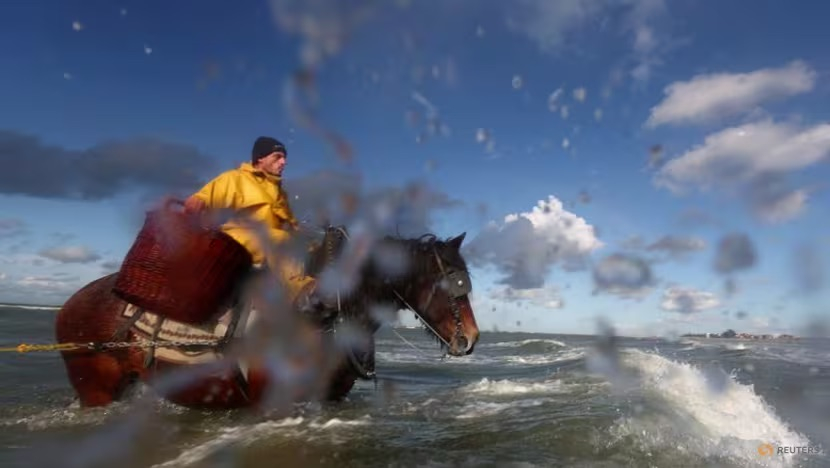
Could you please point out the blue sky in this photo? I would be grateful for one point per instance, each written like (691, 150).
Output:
(597, 153)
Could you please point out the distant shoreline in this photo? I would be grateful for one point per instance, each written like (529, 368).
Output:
(740, 336)
(30, 306)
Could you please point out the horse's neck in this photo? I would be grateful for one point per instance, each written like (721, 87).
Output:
(376, 289)
(373, 286)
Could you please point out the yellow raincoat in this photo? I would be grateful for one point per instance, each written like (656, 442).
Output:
(257, 197)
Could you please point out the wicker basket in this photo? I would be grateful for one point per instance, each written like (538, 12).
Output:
(179, 269)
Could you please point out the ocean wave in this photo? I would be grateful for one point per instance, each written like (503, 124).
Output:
(528, 346)
(703, 411)
(412, 357)
(533, 360)
(508, 387)
(793, 355)
(247, 435)
(480, 359)
(483, 409)
(717, 343)
(531, 341)
(70, 416)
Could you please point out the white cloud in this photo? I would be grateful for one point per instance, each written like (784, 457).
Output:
(47, 283)
(688, 300)
(767, 325)
(111, 266)
(546, 297)
(753, 159)
(71, 254)
(3, 276)
(18, 260)
(11, 227)
(707, 98)
(38, 289)
(773, 201)
(557, 223)
(549, 23)
(527, 245)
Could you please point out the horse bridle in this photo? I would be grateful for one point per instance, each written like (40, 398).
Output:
(457, 284)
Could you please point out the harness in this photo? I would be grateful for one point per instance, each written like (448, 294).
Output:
(457, 284)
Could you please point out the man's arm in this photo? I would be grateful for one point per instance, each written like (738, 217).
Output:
(286, 212)
(214, 195)
(194, 204)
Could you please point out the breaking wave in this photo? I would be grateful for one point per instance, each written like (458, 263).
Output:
(704, 412)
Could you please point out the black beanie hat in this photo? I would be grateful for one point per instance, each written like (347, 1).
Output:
(263, 146)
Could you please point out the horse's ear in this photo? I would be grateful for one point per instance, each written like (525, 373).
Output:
(455, 242)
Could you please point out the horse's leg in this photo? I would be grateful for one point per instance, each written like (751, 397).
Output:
(93, 314)
(98, 379)
(341, 382)
(351, 368)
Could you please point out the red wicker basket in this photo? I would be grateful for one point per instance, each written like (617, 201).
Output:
(179, 269)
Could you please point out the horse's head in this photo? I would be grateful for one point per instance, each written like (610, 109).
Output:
(437, 287)
(425, 275)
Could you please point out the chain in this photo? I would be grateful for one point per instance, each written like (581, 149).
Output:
(154, 344)
(456, 312)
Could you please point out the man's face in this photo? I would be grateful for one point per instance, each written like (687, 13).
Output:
(273, 164)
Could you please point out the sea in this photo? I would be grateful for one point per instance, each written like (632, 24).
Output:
(520, 400)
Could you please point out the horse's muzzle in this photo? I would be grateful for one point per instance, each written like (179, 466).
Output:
(462, 346)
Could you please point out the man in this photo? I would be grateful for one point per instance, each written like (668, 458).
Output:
(261, 213)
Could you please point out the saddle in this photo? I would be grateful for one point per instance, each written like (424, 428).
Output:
(182, 343)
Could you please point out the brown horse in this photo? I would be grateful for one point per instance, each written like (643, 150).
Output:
(301, 359)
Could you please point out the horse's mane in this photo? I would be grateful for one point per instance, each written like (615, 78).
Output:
(373, 284)
(421, 256)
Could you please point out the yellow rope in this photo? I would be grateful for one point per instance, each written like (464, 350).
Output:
(108, 346)
(25, 348)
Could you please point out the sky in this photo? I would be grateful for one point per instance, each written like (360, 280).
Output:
(659, 165)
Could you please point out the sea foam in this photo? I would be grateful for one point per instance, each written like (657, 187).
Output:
(705, 412)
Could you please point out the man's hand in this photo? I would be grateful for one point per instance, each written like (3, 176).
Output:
(194, 205)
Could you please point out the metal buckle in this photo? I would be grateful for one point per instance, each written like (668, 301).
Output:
(457, 283)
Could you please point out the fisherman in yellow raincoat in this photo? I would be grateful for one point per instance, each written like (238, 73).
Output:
(253, 193)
